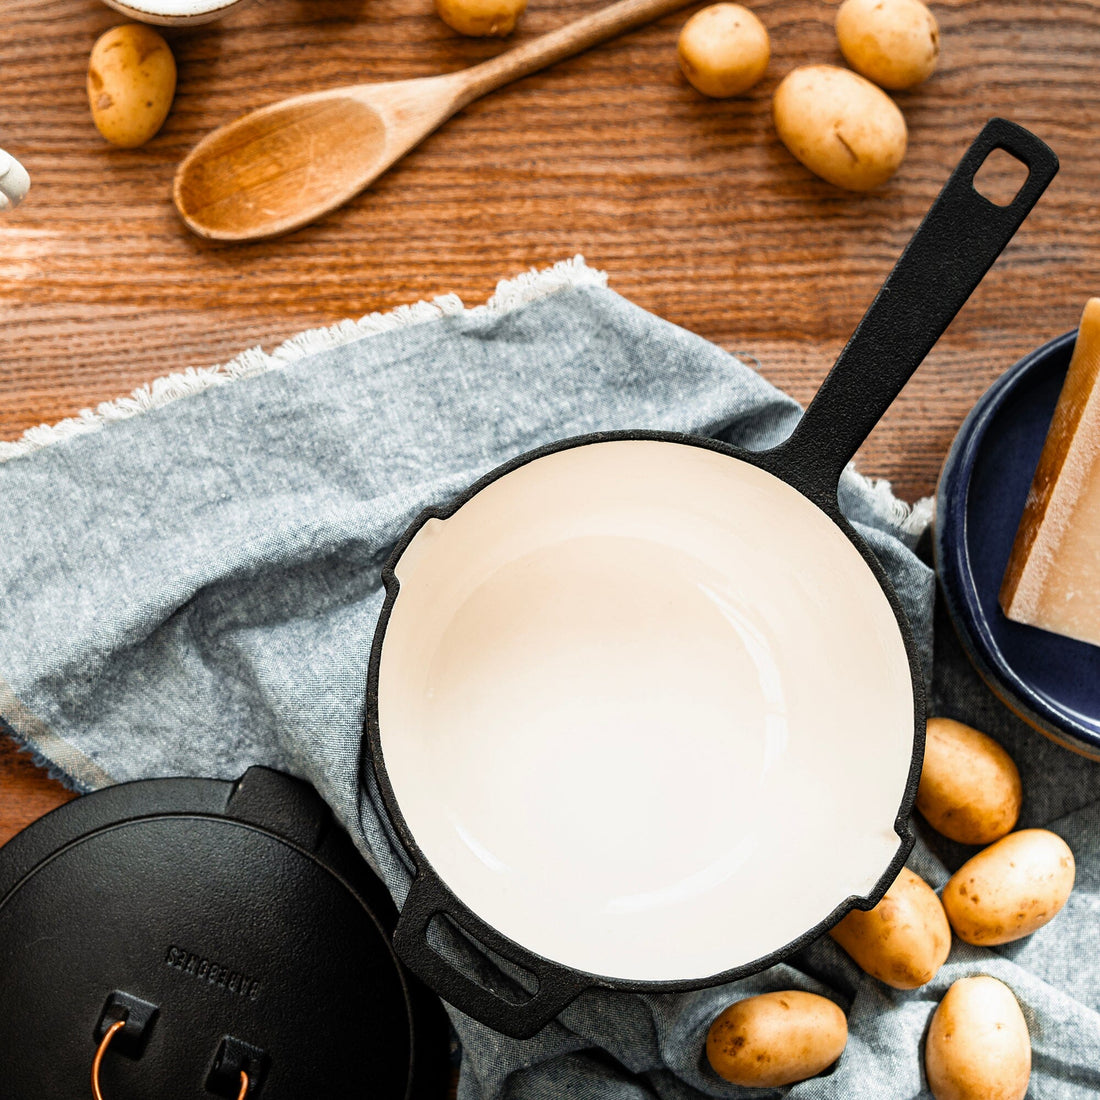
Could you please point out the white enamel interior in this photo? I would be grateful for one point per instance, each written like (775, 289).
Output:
(646, 710)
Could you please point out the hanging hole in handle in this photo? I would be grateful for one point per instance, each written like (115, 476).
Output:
(1000, 178)
(484, 967)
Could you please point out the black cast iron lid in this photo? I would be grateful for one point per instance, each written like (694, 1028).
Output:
(233, 924)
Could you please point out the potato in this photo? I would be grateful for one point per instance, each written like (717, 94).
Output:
(970, 788)
(776, 1039)
(904, 940)
(481, 18)
(1011, 888)
(723, 50)
(978, 1047)
(840, 126)
(895, 43)
(131, 82)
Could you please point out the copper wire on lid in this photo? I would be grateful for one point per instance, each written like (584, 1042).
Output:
(112, 1031)
(101, 1051)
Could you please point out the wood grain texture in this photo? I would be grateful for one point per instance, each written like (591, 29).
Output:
(294, 161)
(692, 206)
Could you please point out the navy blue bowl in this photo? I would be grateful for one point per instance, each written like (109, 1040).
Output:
(1050, 681)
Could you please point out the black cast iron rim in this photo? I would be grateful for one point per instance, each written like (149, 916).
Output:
(445, 901)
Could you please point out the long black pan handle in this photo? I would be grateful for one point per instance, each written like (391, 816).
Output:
(557, 986)
(952, 249)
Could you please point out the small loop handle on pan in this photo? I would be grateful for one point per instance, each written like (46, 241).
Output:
(557, 985)
(952, 249)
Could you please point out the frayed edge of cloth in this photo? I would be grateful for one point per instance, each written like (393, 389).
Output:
(510, 294)
(910, 520)
(40, 760)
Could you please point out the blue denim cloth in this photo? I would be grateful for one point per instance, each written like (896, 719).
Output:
(194, 589)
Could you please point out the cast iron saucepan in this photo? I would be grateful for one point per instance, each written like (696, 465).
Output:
(644, 710)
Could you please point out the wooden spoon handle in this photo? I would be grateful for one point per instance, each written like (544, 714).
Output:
(564, 42)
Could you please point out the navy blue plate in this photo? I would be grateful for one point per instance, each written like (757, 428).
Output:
(1050, 681)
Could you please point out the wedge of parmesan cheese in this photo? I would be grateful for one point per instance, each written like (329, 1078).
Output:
(1053, 575)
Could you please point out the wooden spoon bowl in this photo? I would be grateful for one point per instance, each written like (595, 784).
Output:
(287, 164)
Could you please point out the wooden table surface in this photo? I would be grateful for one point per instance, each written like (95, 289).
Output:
(692, 206)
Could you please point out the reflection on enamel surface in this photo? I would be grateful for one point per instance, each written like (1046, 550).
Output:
(771, 684)
(478, 849)
(645, 710)
(693, 886)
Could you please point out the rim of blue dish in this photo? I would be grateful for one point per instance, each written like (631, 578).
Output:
(955, 568)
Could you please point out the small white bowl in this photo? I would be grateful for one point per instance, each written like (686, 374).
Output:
(176, 13)
(14, 181)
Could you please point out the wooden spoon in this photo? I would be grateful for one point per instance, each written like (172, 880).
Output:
(284, 165)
